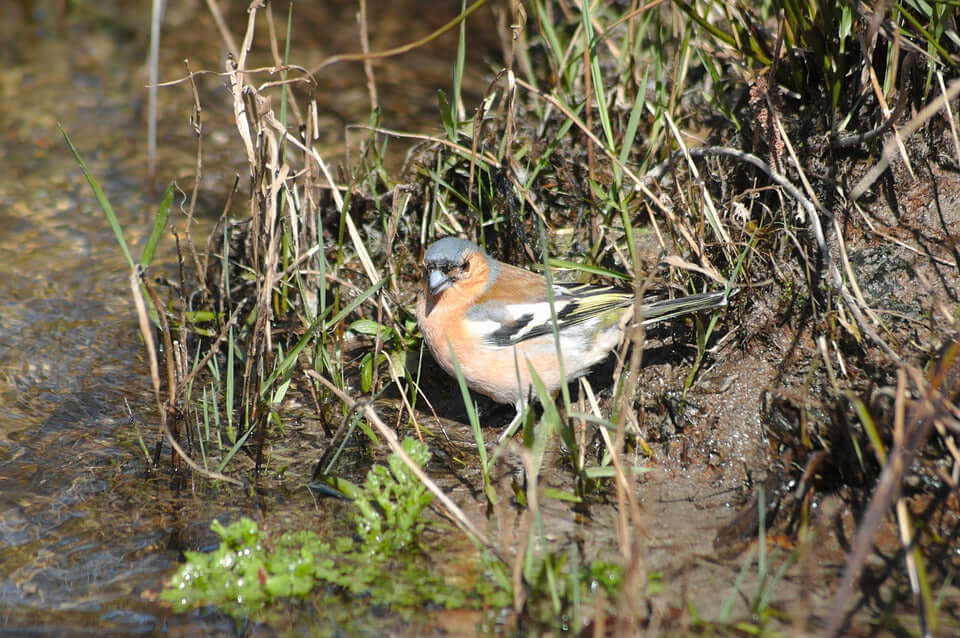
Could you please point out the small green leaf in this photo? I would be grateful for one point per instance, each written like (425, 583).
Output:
(364, 327)
(446, 115)
(163, 213)
(366, 372)
(200, 316)
(560, 495)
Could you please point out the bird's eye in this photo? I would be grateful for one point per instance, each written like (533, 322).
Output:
(466, 266)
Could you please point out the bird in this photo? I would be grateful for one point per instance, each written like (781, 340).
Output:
(496, 322)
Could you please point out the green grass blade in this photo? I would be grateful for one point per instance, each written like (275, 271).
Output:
(286, 60)
(595, 74)
(101, 199)
(475, 425)
(163, 214)
(626, 144)
(587, 268)
(458, 66)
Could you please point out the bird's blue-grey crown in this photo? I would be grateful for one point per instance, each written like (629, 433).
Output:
(449, 251)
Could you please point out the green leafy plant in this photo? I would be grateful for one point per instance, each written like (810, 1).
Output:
(250, 571)
(390, 503)
(243, 575)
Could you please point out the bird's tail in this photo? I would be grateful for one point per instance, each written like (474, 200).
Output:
(663, 309)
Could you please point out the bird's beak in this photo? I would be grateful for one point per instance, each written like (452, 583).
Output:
(437, 282)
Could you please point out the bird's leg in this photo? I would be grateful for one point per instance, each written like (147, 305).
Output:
(517, 420)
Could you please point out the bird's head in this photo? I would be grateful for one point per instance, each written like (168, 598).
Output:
(452, 262)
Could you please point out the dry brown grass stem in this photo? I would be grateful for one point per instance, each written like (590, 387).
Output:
(462, 150)
(225, 34)
(367, 62)
(136, 276)
(704, 193)
(405, 48)
(950, 118)
(197, 123)
(629, 519)
(586, 131)
(270, 70)
(278, 62)
(890, 148)
(635, 576)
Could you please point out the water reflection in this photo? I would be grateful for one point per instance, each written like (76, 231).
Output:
(85, 534)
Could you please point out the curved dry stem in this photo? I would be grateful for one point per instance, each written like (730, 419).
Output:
(404, 48)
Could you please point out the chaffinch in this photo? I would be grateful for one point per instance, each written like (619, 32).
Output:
(496, 318)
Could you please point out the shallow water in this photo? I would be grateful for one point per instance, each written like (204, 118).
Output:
(75, 553)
